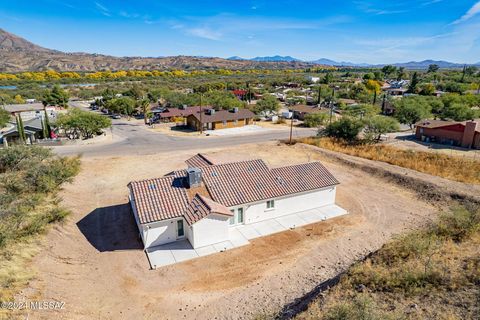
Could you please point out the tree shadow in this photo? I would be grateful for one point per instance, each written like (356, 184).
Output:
(111, 228)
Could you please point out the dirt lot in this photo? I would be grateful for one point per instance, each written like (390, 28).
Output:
(95, 264)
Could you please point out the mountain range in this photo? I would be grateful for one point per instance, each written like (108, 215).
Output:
(18, 54)
(327, 62)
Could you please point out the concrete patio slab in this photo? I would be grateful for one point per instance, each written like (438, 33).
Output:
(178, 251)
(184, 254)
(311, 216)
(159, 257)
(248, 231)
(291, 221)
(268, 227)
(237, 238)
(205, 251)
(223, 246)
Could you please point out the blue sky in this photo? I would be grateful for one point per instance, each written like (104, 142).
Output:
(359, 31)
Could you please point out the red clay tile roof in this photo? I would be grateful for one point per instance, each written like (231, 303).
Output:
(251, 181)
(200, 207)
(229, 185)
(159, 199)
(223, 115)
(198, 161)
(305, 109)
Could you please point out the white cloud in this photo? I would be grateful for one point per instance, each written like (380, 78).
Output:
(473, 11)
(102, 9)
(205, 33)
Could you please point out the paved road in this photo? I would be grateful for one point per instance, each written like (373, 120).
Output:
(131, 137)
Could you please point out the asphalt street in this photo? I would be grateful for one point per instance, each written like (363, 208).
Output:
(133, 138)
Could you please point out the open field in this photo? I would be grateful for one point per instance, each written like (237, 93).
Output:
(95, 264)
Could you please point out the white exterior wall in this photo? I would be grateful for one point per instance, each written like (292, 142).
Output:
(287, 205)
(209, 230)
(161, 232)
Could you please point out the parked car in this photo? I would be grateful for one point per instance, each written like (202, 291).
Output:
(116, 116)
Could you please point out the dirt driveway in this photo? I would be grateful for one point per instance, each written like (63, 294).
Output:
(94, 262)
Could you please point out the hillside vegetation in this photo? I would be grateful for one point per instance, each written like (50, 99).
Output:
(433, 273)
(30, 179)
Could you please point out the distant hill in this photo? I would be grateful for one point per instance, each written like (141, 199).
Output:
(18, 54)
(275, 59)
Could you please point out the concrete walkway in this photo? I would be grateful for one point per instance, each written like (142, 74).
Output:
(178, 251)
(239, 130)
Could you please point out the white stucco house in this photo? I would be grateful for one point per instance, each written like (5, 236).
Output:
(202, 203)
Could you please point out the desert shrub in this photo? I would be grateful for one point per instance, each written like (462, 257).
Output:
(458, 224)
(30, 177)
(360, 308)
(346, 129)
(313, 120)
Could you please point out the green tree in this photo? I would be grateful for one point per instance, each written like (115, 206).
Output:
(427, 89)
(268, 104)
(82, 124)
(410, 110)
(378, 125)
(46, 124)
(388, 70)
(313, 120)
(122, 105)
(458, 112)
(412, 88)
(55, 97)
(328, 78)
(346, 128)
(401, 74)
(21, 129)
(433, 68)
(144, 105)
(4, 118)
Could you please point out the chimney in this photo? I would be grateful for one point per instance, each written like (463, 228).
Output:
(469, 134)
(194, 177)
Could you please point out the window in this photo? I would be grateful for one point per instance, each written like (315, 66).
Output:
(231, 221)
(270, 204)
(240, 215)
(224, 122)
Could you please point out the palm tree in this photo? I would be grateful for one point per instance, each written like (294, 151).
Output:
(145, 106)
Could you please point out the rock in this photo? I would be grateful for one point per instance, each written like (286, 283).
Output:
(361, 288)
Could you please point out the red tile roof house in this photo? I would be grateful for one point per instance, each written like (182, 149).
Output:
(464, 134)
(203, 202)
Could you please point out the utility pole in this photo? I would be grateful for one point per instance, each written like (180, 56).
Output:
(201, 123)
(291, 130)
(319, 94)
(383, 103)
(331, 105)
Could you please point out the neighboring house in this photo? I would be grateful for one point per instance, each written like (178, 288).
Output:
(465, 134)
(210, 119)
(33, 130)
(169, 114)
(203, 202)
(395, 91)
(30, 110)
(301, 110)
(240, 94)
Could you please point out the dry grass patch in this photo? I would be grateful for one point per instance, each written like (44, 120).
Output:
(427, 274)
(449, 167)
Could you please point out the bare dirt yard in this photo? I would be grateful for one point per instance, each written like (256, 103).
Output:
(95, 264)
